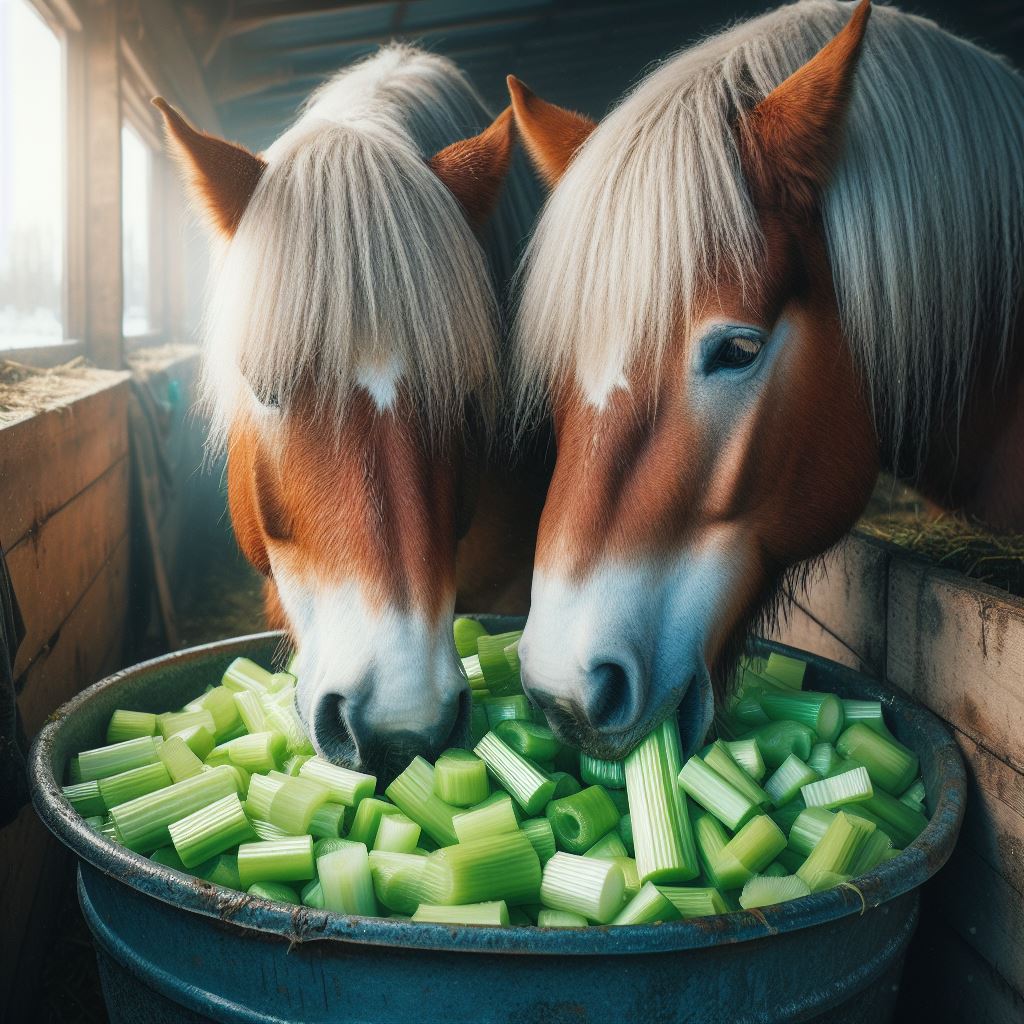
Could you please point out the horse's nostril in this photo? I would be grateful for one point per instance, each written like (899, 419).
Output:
(610, 700)
(329, 733)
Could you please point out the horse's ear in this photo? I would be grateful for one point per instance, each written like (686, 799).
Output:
(474, 169)
(552, 134)
(791, 140)
(222, 175)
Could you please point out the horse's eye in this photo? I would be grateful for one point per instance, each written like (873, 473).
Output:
(267, 397)
(736, 352)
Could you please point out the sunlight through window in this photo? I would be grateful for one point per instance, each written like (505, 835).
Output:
(31, 179)
(136, 201)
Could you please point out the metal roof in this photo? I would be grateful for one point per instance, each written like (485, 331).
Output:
(262, 57)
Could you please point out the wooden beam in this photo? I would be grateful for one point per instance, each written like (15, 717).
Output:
(103, 274)
(259, 15)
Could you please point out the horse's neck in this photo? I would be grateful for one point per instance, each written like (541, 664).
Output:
(979, 469)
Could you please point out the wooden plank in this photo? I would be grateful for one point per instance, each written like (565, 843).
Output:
(48, 458)
(88, 644)
(799, 628)
(984, 910)
(958, 647)
(54, 566)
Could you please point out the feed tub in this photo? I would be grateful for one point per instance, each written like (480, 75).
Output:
(174, 948)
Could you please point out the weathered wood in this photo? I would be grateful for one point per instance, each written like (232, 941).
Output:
(958, 646)
(54, 566)
(799, 628)
(48, 458)
(104, 273)
(88, 643)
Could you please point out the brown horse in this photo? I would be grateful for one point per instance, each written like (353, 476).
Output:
(352, 359)
(789, 258)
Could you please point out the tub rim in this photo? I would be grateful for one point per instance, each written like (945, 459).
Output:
(918, 862)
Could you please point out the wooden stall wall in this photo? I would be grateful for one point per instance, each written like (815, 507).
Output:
(65, 532)
(956, 646)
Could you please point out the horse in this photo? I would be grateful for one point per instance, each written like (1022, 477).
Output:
(351, 361)
(789, 257)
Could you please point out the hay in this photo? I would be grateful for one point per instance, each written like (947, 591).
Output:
(25, 390)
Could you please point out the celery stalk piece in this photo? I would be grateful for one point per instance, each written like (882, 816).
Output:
(130, 725)
(199, 740)
(86, 798)
(823, 759)
(221, 870)
(595, 772)
(608, 847)
(714, 794)
(565, 785)
(891, 765)
(396, 879)
(748, 711)
(810, 826)
(286, 721)
(478, 723)
(296, 801)
(777, 740)
(260, 795)
(648, 906)
(276, 892)
(329, 844)
(721, 869)
(823, 712)
(503, 708)
(836, 851)
(475, 678)
(312, 895)
(281, 860)
(847, 788)
(786, 782)
(626, 834)
(250, 710)
(264, 830)
(915, 792)
(102, 762)
(630, 876)
(168, 856)
(902, 823)
(142, 823)
(521, 778)
(790, 860)
(786, 670)
(493, 817)
(367, 820)
(327, 821)
(460, 778)
(775, 869)
(74, 769)
(220, 754)
(243, 674)
(530, 739)
(109, 830)
(580, 820)
(258, 751)
(171, 722)
(697, 901)
(179, 760)
(397, 834)
(494, 912)
(220, 702)
(293, 763)
(785, 815)
(466, 633)
(660, 822)
(413, 793)
(549, 918)
(867, 712)
(718, 758)
(147, 778)
(210, 830)
(541, 836)
(283, 681)
(501, 678)
(757, 844)
(346, 881)
(872, 853)
(503, 867)
(583, 885)
(344, 785)
(766, 891)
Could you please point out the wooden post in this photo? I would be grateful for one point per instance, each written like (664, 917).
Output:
(104, 270)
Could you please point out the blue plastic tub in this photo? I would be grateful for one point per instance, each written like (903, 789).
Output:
(174, 948)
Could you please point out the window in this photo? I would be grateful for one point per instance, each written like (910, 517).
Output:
(137, 234)
(32, 190)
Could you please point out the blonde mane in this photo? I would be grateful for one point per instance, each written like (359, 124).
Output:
(923, 218)
(353, 261)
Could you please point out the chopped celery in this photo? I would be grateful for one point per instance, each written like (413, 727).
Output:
(179, 759)
(777, 740)
(748, 756)
(608, 847)
(260, 795)
(836, 852)
(172, 722)
(367, 820)
(296, 801)
(565, 784)
(521, 778)
(86, 798)
(541, 836)
(847, 788)
(811, 824)
(530, 739)
(494, 912)
(460, 778)
(467, 632)
(714, 794)
(765, 890)
(147, 778)
(210, 830)
(130, 725)
(583, 885)
(346, 881)
(549, 918)
(868, 712)
(276, 892)
(610, 774)
(696, 901)
(756, 844)
(413, 793)
(501, 676)
(397, 834)
(396, 879)
(250, 710)
(220, 702)
(788, 779)
(327, 821)
(502, 867)
(891, 765)
(281, 860)
(823, 712)
(718, 758)
(258, 751)
(344, 786)
(721, 870)
(103, 762)
(646, 907)
(490, 818)
(786, 670)
(823, 759)
(243, 674)
(578, 821)
(504, 708)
